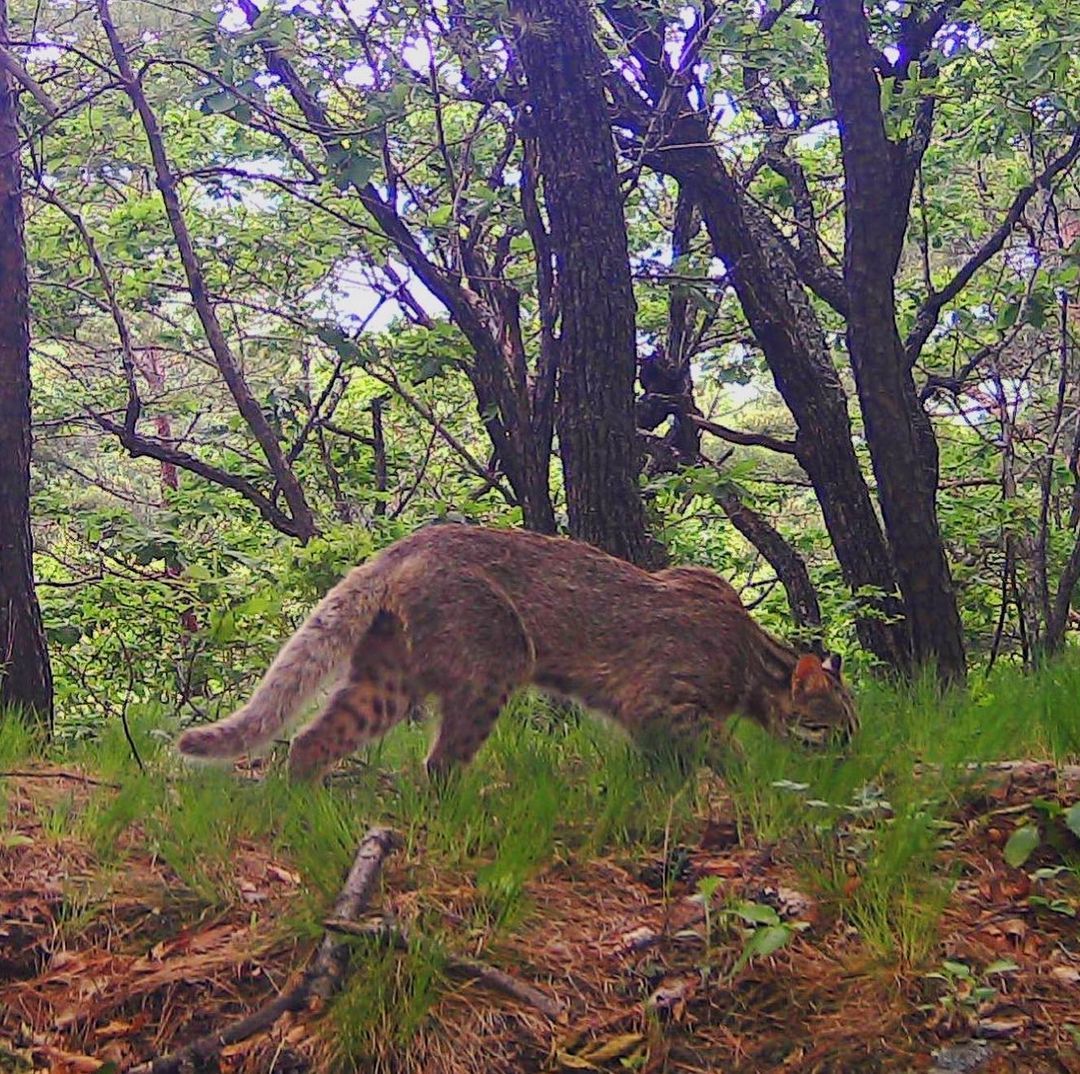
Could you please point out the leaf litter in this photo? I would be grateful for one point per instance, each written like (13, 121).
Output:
(105, 968)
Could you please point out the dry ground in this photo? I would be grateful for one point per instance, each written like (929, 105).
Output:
(114, 966)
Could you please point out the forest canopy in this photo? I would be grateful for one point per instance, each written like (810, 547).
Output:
(788, 290)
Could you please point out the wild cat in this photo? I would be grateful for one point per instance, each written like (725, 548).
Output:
(468, 615)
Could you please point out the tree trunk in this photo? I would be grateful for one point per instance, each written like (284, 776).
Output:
(784, 325)
(25, 675)
(902, 446)
(597, 347)
(790, 567)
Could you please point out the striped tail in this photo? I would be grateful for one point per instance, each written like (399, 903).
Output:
(322, 645)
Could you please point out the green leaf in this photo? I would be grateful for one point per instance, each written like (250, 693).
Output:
(222, 101)
(350, 167)
(1072, 819)
(1021, 845)
(764, 942)
(756, 914)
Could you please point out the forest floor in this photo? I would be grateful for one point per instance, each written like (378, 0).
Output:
(895, 909)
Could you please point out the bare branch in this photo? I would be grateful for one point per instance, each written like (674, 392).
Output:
(10, 62)
(322, 978)
(927, 317)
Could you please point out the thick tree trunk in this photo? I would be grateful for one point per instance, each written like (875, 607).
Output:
(597, 348)
(25, 675)
(902, 446)
(787, 330)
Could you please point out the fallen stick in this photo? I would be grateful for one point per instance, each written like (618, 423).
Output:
(321, 979)
(75, 777)
(467, 968)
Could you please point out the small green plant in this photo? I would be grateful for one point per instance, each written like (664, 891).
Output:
(965, 989)
(761, 928)
(764, 932)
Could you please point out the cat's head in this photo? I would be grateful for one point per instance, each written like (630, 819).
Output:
(822, 707)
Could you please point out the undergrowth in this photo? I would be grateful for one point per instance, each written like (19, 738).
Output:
(867, 826)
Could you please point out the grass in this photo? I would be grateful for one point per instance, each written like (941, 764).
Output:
(865, 828)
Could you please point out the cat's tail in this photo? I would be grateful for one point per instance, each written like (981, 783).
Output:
(322, 645)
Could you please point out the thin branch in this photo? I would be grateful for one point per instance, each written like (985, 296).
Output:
(390, 379)
(74, 777)
(127, 347)
(470, 969)
(322, 978)
(927, 317)
(10, 62)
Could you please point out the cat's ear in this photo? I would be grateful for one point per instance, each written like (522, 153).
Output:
(810, 677)
(831, 664)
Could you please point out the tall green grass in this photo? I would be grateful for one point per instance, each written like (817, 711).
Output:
(879, 809)
(548, 786)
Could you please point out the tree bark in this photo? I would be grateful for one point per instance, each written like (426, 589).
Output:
(25, 674)
(903, 450)
(790, 567)
(786, 328)
(597, 347)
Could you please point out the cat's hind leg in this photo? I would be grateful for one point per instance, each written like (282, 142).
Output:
(468, 717)
(472, 665)
(372, 698)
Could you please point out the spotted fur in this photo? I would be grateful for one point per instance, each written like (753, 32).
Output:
(468, 615)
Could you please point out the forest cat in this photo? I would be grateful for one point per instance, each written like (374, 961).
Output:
(469, 615)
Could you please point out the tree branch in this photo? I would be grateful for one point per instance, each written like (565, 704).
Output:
(734, 436)
(491, 479)
(927, 317)
(11, 63)
(645, 42)
(322, 978)
(304, 522)
(915, 39)
(127, 349)
(138, 445)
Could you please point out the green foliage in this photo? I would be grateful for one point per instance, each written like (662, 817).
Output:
(872, 823)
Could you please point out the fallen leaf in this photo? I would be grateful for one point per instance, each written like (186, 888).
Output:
(117, 1028)
(1065, 974)
(670, 997)
(615, 1048)
(286, 876)
(637, 938)
(1003, 1023)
